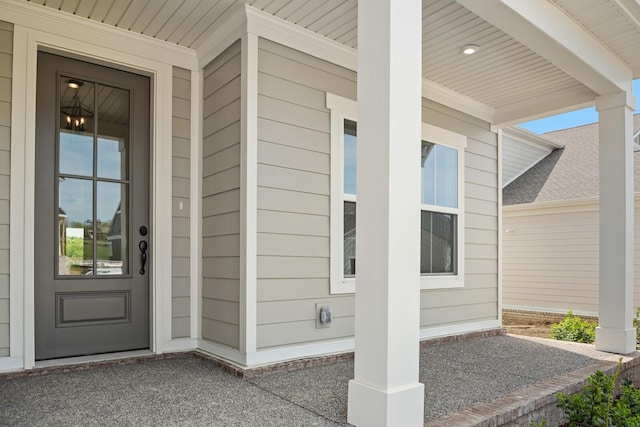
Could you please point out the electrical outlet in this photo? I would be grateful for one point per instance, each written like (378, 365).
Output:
(324, 315)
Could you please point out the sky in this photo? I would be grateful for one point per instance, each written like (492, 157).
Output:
(573, 118)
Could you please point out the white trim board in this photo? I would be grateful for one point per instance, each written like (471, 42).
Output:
(249, 194)
(27, 42)
(11, 364)
(195, 181)
(458, 329)
(178, 345)
(276, 354)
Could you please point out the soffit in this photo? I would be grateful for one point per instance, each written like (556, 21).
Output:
(185, 22)
(503, 75)
(615, 23)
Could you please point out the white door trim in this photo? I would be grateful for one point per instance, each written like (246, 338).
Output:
(27, 42)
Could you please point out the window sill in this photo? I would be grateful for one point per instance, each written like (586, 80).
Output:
(348, 286)
(344, 286)
(441, 282)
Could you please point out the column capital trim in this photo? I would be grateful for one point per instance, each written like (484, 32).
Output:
(619, 99)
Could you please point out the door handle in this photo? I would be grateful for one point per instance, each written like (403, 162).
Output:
(143, 255)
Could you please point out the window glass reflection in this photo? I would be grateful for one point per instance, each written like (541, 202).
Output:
(437, 243)
(350, 157)
(111, 228)
(439, 170)
(75, 223)
(349, 239)
(113, 132)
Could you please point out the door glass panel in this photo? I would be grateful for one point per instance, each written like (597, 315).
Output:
(111, 226)
(75, 226)
(76, 126)
(113, 132)
(93, 143)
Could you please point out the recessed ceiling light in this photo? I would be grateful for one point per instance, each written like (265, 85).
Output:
(74, 84)
(469, 49)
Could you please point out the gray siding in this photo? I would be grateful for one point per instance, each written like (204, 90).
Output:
(293, 196)
(221, 199)
(181, 169)
(6, 49)
(294, 204)
(478, 300)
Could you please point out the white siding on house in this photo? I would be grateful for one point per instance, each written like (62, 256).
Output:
(221, 199)
(6, 47)
(180, 308)
(550, 257)
(294, 205)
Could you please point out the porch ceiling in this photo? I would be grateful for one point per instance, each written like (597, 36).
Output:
(506, 75)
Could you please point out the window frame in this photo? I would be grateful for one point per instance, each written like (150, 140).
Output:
(439, 136)
(342, 109)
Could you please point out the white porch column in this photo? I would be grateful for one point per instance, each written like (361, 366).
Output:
(386, 391)
(615, 332)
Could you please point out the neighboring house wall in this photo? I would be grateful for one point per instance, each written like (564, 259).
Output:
(518, 157)
(550, 257)
(221, 199)
(6, 47)
(294, 205)
(477, 301)
(181, 170)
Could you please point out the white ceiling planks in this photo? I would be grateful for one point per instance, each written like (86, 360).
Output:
(504, 72)
(608, 22)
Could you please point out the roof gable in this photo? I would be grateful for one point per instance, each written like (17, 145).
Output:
(566, 173)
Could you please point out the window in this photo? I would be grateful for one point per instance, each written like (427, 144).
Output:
(442, 195)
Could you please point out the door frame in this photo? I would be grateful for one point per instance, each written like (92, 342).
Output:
(27, 42)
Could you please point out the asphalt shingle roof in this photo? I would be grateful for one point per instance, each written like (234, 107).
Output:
(566, 173)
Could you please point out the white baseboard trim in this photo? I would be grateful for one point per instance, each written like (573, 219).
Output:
(283, 354)
(443, 331)
(11, 364)
(275, 355)
(180, 344)
(223, 352)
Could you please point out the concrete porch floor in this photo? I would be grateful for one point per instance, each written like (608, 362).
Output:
(496, 380)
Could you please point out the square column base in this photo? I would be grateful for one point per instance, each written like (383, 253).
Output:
(620, 341)
(373, 407)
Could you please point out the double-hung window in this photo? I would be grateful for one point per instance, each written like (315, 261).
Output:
(442, 195)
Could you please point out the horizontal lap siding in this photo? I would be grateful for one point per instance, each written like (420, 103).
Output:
(293, 197)
(221, 199)
(477, 301)
(6, 46)
(294, 205)
(551, 259)
(181, 170)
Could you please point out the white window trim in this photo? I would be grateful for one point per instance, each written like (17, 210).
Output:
(454, 140)
(341, 109)
(346, 109)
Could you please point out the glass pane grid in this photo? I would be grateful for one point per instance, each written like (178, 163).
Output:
(93, 179)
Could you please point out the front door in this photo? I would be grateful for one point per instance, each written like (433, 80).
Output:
(91, 258)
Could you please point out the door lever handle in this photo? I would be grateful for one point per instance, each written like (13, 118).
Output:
(143, 255)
